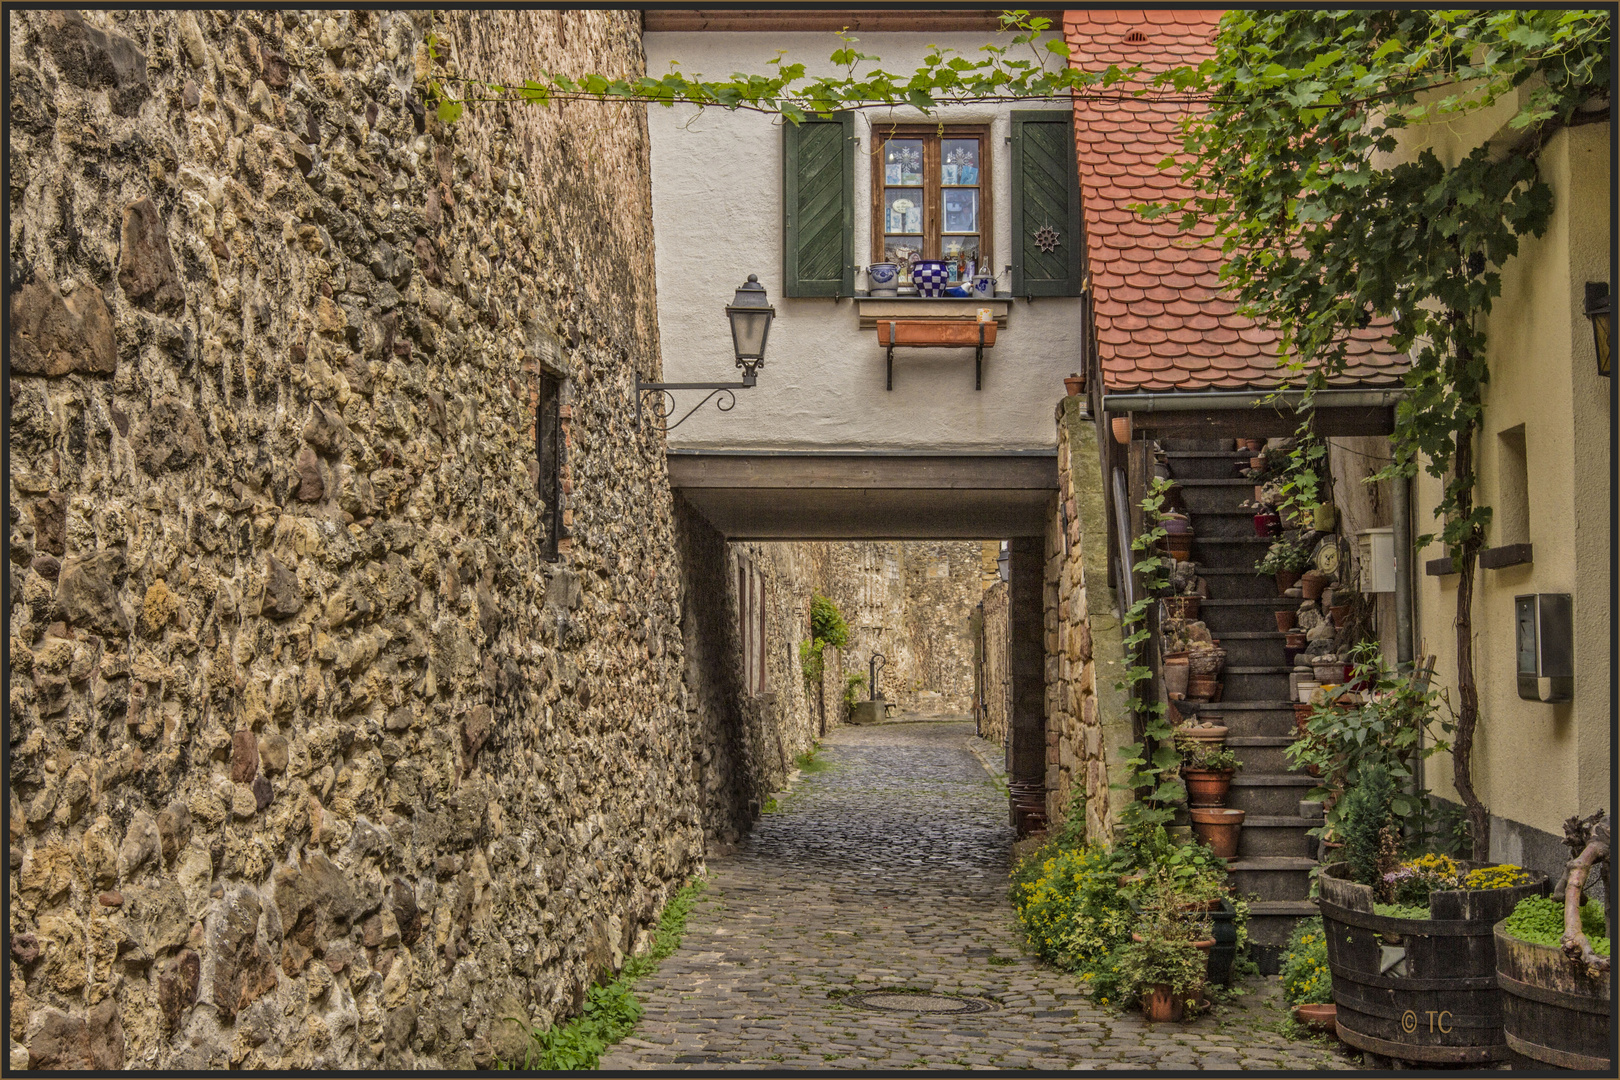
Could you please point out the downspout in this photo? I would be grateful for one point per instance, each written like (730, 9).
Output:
(1401, 519)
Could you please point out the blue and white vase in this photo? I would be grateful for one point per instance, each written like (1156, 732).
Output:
(984, 286)
(930, 276)
(884, 278)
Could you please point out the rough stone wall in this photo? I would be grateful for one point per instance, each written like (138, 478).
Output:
(1086, 719)
(315, 762)
(993, 677)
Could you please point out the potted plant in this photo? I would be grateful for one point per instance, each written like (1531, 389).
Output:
(1307, 982)
(1267, 522)
(1207, 770)
(1074, 384)
(1286, 559)
(1312, 584)
(1163, 966)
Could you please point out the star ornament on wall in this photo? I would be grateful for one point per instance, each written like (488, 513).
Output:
(1047, 239)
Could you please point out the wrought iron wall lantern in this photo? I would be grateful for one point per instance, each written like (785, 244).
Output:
(1597, 309)
(750, 314)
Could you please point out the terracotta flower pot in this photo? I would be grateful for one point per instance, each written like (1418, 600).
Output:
(1121, 426)
(1180, 546)
(1181, 607)
(1286, 620)
(1338, 613)
(1206, 787)
(1175, 676)
(1318, 1017)
(1267, 523)
(1218, 827)
(1286, 580)
(1206, 662)
(1257, 462)
(1204, 735)
(1161, 1006)
(1203, 688)
(1295, 639)
(1074, 384)
(1312, 584)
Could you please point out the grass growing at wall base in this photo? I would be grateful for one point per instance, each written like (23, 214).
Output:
(611, 1010)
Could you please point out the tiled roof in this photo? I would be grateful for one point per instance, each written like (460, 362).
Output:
(1162, 323)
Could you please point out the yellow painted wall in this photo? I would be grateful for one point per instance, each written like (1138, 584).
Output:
(1534, 763)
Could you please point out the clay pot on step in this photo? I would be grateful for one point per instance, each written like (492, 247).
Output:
(1338, 613)
(1312, 584)
(1328, 674)
(1253, 446)
(1180, 546)
(1286, 580)
(1218, 827)
(1295, 639)
(1203, 688)
(1181, 607)
(1206, 787)
(1257, 463)
(1205, 733)
(1160, 1006)
(1175, 676)
(1074, 384)
(1286, 620)
(1121, 427)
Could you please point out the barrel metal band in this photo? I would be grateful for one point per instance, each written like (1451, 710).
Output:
(1453, 1020)
(1418, 1052)
(1564, 1059)
(1385, 925)
(1552, 997)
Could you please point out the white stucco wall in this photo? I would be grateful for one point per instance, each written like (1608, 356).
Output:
(717, 217)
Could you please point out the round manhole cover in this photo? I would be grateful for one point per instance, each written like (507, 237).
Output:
(892, 1002)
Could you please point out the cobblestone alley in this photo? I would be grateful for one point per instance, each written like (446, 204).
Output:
(889, 869)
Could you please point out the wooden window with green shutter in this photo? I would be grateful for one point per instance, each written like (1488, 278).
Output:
(1047, 236)
(818, 203)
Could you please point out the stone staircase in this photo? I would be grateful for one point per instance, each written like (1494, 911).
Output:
(1273, 861)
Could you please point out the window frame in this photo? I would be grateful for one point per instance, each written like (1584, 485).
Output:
(933, 233)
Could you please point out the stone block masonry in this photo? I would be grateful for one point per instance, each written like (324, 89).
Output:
(315, 761)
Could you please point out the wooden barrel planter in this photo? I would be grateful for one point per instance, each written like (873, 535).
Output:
(1418, 990)
(1553, 1012)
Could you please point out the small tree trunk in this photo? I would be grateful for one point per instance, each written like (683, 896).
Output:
(1462, 749)
(1576, 946)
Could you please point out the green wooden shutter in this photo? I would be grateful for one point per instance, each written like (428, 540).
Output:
(1045, 196)
(818, 204)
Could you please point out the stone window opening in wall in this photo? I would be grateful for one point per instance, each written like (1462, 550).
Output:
(1512, 515)
(551, 450)
(931, 197)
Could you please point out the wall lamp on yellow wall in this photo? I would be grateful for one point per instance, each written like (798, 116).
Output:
(1597, 309)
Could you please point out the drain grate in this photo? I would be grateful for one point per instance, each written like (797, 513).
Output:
(890, 1001)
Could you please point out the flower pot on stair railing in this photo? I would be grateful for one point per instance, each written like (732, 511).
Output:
(1217, 826)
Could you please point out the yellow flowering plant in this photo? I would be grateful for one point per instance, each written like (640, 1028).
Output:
(1305, 976)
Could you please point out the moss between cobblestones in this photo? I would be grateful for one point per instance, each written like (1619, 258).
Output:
(611, 1011)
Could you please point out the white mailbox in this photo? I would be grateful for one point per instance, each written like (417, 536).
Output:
(1377, 551)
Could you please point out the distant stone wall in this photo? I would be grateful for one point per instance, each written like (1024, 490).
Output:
(315, 762)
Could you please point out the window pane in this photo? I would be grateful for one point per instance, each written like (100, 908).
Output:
(903, 161)
(962, 210)
(959, 161)
(960, 250)
(903, 211)
(901, 250)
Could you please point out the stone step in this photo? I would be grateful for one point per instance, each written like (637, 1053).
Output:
(1214, 496)
(1271, 877)
(1262, 725)
(1253, 614)
(1248, 683)
(1263, 754)
(1270, 924)
(1206, 464)
(1234, 523)
(1241, 582)
(1266, 835)
(1270, 794)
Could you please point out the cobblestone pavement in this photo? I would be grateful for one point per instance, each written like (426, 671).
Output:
(889, 869)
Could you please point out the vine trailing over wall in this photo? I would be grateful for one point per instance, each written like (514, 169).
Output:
(1323, 235)
(827, 627)
(1030, 65)
(1152, 761)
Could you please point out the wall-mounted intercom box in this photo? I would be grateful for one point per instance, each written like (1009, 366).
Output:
(1545, 635)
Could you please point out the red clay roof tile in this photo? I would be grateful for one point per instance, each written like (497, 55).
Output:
(1162, 322)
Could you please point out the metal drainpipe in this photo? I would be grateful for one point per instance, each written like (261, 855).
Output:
(1190, 401)
(1401, 519)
